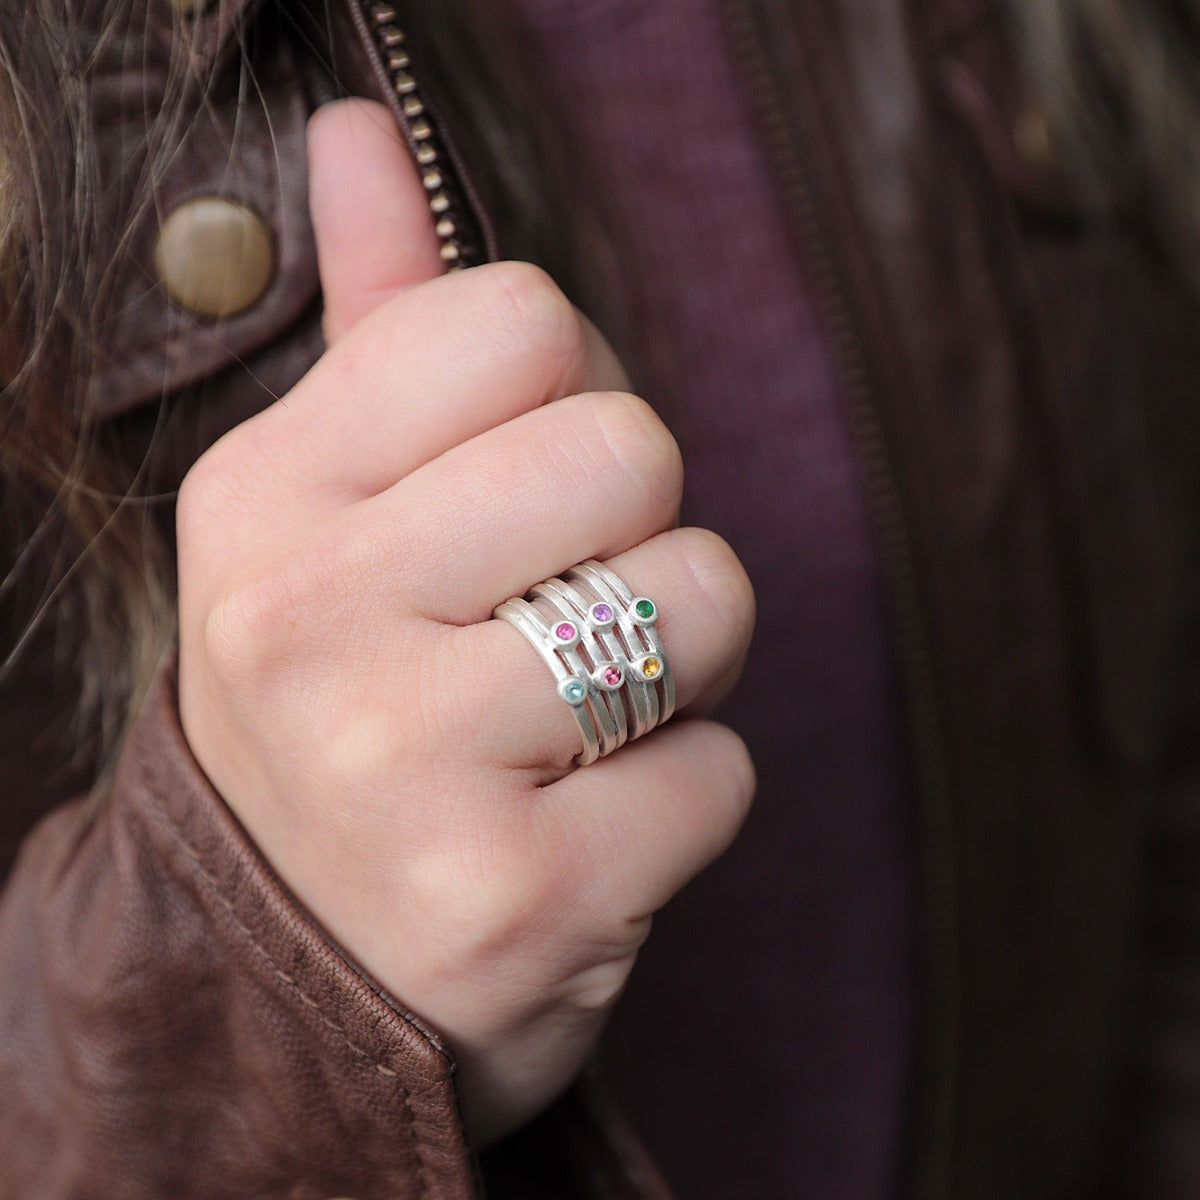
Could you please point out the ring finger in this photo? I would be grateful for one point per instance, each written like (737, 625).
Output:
(514, 714)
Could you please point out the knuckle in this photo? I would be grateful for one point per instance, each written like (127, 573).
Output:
(533, 309)
(721, 581)
(527, 290)
(236, 631)
(203, 498)
(600, 986)
(608, 962)
(373, 725)
(220, 502)
(357, 753)
(513, 902)
(643, 447)
(738, 778)
(250, 627)
(491, 900)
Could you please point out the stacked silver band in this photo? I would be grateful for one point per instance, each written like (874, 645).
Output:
(602, 644)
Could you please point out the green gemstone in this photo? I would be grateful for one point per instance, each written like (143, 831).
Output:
(644, 609)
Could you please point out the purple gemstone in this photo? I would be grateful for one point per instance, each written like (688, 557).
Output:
(602, 614)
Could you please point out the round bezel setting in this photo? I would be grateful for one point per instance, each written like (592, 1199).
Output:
(650, 667)
(565, 635)
(643, 611)
(601, 616)
(609, 676)
(573, 691)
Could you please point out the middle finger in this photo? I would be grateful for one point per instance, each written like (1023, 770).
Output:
(585, 477)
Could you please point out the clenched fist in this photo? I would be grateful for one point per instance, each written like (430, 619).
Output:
(404, 760)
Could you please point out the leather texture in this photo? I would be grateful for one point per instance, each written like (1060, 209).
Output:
(172, 1018)
(173, 1023)
(1026, 407)
(228, 146)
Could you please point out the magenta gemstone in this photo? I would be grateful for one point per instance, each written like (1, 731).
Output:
(612, 676)
(565, 632)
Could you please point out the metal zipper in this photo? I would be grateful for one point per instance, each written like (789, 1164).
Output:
(939, 1065)
(453, 223)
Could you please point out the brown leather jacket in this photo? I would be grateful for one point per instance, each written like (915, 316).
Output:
(1021, 387)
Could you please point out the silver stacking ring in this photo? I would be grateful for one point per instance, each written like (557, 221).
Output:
(603, 647)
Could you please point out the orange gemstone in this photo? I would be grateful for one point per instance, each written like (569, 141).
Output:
(651, 668)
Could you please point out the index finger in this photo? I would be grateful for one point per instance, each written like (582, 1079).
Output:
(436, 365)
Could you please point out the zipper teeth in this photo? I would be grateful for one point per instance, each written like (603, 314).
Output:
(940, 1029)
(451, 222)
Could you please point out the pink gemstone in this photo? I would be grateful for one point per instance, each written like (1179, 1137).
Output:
(565, 632)
(602, 613)
(612, 676)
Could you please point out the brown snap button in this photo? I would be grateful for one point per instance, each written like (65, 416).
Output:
(215, 257)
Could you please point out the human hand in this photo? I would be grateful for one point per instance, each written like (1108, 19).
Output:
(402, 759)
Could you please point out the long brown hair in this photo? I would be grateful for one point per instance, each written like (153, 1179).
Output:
(86, 572)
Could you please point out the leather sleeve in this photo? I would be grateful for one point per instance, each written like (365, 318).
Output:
(173, 1024)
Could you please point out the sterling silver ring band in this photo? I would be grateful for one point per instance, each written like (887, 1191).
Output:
(602, 645)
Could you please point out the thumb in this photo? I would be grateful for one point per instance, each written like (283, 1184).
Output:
(370, 212)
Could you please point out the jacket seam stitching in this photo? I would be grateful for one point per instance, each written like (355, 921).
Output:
(315, 1005)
